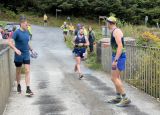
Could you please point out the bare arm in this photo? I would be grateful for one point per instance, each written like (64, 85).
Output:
(30, 48)
(62, 27)
(11, 44)
(118, 36)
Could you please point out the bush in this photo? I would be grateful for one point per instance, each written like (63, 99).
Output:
(148, 39)
(7, 14)
(10, 14)
(2, 24)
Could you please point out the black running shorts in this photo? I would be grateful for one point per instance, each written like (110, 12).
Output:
(19, 64)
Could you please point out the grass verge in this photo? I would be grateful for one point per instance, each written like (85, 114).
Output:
(92, 63)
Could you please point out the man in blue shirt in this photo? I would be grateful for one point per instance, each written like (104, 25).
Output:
(22, 55)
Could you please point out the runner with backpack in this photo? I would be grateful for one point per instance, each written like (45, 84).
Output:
(80, 43)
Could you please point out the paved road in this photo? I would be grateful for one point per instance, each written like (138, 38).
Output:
(58, 90)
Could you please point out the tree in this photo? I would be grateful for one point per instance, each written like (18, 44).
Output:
(133, 11)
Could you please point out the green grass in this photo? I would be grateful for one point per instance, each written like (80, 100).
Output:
(92, 63)
(69, 41)
(134, 31)
(2, 23)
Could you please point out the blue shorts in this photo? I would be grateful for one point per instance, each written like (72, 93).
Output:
(121, 61)
(22, 57)
(79, 52)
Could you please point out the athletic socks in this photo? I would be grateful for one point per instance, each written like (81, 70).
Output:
(28, 88)
(124, 96)
(118, 95)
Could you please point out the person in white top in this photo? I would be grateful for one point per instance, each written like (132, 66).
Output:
(1, 34)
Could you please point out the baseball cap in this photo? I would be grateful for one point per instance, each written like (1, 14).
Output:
(112, 19)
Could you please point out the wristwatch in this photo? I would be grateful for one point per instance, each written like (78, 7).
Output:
(115, 60)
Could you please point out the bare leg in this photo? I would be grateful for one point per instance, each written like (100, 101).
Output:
(78, 61)
(18, 74)
(116, 79)
(27, 74)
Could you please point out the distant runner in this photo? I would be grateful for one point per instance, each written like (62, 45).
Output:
(45, 19)
(30, 31)
(77, 29)
(64, 27)
(71, 29)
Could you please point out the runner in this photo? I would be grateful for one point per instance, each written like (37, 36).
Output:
(80, 42)
(71, 29)
(22, 56)
(45, 18)
(1, 31)
(85, 30)
(118, 62)
(65, 30)
(77, 29)
(29, 30)
(91, 38)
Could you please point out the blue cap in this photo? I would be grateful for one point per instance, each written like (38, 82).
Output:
(78, 25)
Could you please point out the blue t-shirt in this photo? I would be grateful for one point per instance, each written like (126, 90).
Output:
(21, 39)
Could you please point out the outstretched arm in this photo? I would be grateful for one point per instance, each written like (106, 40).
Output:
(62, 27)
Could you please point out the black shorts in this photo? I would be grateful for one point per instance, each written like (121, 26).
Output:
(45, 21)
(19, 64)
(65, 32)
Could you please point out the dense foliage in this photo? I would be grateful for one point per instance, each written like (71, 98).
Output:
(133, 11)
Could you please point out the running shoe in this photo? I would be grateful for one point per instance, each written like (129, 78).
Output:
(124, 102)
(19, 88)
(115, 100)
(29, 92)
(81, 76)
